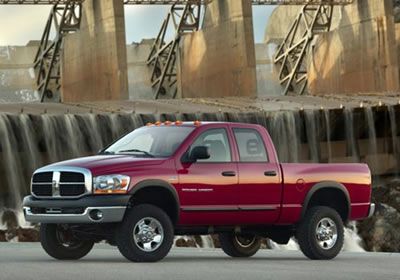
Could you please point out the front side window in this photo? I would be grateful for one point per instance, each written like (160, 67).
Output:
(218, 143)
(251, 145)
(151, 141)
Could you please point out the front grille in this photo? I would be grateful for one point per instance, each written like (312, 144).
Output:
(70, 184)
(45, 177)
(42, 189)
(72, 190)
(72, 177)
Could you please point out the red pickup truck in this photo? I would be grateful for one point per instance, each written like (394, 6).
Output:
(184, 178)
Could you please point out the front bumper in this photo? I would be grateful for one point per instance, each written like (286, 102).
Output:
(79, 211)
(371, 210)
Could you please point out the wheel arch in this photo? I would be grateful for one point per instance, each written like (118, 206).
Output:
(146, 188)
(317, 196)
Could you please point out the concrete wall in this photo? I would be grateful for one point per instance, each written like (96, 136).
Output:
(267, 79)
(95, 62)
(138, 72)
(361, 55)
(219, 60)
(397, 30)
(17, 78)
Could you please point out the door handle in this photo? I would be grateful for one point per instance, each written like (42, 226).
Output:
(229, 173)
(270, 173)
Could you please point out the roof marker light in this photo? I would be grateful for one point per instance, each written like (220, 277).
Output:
(197, 123)
(158, 123)
(167, 123)
(149, 124)
(178, 122)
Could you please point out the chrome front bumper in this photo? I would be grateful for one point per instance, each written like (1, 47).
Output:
(109, 215)
(77, 211)
(371, 210)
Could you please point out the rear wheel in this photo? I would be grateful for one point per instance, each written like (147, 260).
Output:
(60, 243)
(239, 245)
(320, 234)
(146, 234)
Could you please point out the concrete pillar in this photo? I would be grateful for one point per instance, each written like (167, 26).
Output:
(361, 55)
(94, 64)
(219, 60)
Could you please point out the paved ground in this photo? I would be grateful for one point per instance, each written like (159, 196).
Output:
(28, 261)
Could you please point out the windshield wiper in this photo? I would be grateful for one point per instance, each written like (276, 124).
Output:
(137, 151)
(106, 153)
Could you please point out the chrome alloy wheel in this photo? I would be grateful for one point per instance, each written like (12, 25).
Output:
(245, 241)
(326, 233)
(148, 234)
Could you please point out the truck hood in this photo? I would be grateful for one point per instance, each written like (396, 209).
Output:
(107, 164)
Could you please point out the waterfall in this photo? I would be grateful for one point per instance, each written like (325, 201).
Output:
(395, 142)
(350, 138)
(11, 164)
(372, 147)
(312, 135)
(328, 134)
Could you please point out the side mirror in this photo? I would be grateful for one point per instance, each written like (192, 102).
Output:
(200, 152)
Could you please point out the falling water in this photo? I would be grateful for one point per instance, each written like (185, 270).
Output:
(395, 142)
(29, 143)
(284, 133)
(312, 134)
(351, 141)
(371, 137)
(11, 163)
(328, 134)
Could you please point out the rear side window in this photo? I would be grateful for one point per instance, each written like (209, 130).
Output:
(250, 145)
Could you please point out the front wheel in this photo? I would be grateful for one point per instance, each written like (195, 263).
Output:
(146, 234)
(239, 245)
(320, 234)
(60, 243)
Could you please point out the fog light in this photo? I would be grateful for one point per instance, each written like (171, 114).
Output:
(96, 215)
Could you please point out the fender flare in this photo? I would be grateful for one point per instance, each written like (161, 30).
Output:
(325, 185)
(158, 183)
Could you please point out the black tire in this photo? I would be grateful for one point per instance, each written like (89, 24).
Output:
(317, 248)
(134, 250)
(232, 245)
(59, 243)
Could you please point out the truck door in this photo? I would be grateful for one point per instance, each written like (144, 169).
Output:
(260, 186)
(208, 188)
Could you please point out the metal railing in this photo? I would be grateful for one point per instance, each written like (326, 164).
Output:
(254, 2)
(171, 2)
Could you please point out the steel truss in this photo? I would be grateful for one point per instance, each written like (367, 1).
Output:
(291, 53)
(254, 2)
(63, 19)
(163, 56)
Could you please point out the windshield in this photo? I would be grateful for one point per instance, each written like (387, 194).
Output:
(151, 141)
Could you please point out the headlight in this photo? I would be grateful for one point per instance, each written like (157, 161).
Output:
(109, 184)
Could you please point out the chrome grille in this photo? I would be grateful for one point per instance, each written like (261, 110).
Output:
(61, 182)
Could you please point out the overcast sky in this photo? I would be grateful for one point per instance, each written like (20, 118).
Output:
(19, 24)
